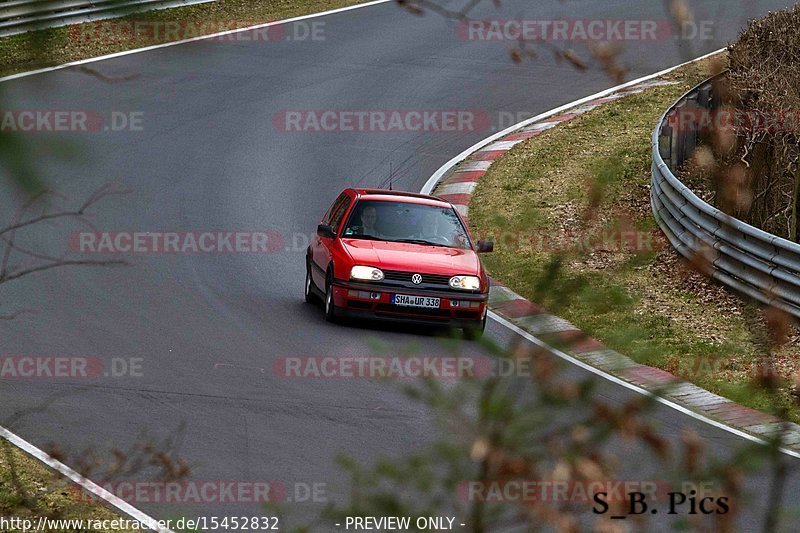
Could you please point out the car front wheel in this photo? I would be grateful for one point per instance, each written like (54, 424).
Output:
(330, 306)
(473, 333)
(309, 293)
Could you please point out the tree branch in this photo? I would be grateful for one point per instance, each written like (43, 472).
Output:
(58, 264)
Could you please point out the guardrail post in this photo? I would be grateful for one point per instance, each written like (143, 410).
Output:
(704, 96)
(690, 135)
(665, 142)
(678, 137)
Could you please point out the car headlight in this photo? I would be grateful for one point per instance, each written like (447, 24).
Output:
(467, 283)
(366, 273)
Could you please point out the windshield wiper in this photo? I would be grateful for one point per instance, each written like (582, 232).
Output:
(364, 237)
(417, 241)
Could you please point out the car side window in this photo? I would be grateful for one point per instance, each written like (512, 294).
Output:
(338, 213)
(334, 207)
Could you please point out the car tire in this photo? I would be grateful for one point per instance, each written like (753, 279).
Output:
(309, 285)
(330, 306)
(474, 333)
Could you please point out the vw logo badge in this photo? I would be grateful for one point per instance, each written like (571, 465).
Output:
(416, 279)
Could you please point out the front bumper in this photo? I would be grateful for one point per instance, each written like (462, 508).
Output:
(362, 300)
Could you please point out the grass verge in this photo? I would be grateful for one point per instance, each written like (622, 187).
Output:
(553, 201)
(55, 46)
(28, 489)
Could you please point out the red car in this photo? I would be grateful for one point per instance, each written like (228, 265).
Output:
(398, 256)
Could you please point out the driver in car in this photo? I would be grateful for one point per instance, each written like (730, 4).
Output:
(436, 229)
(368, 218)
(430, 229)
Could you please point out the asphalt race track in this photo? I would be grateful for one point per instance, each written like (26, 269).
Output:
(209, 157)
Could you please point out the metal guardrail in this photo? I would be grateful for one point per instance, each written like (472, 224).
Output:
(754, 262)
(20, 16)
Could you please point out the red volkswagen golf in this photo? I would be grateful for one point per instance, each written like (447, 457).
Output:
(392, 255)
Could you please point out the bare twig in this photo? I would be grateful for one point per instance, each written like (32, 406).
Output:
(8, 236)
(95, 197)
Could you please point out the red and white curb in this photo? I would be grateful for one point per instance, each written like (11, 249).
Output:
(558, 334)
(456, 181)
(457, 186)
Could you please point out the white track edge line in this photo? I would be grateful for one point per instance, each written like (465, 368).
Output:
(619, 381)
(193, 39)
(439, 174)
(100, 492)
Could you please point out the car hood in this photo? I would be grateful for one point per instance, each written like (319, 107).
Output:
(413, 257)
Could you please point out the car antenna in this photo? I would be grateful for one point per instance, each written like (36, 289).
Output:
(391, 175)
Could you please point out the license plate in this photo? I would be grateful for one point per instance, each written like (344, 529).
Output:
(416, 301)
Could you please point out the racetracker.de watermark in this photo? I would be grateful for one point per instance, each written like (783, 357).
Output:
(754, 121)
(382, 367)
(69, 121)
(40, 367)
(577, 30)
(704, 366)
(400, 367)
(210, 492)
(159, 31)
(572, 490)
(174, 242)
(382, 120)
(557, 241)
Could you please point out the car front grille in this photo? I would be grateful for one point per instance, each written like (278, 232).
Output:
(427, 279)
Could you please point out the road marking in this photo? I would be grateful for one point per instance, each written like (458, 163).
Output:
(217, 366)
(644, 392)
(121, 505)
(193, 39)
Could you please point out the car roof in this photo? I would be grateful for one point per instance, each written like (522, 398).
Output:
(399, 196)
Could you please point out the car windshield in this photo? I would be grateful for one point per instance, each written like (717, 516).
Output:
(406, 222)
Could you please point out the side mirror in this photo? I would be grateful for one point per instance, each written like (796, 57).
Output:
(485, 247)
(324, 230)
